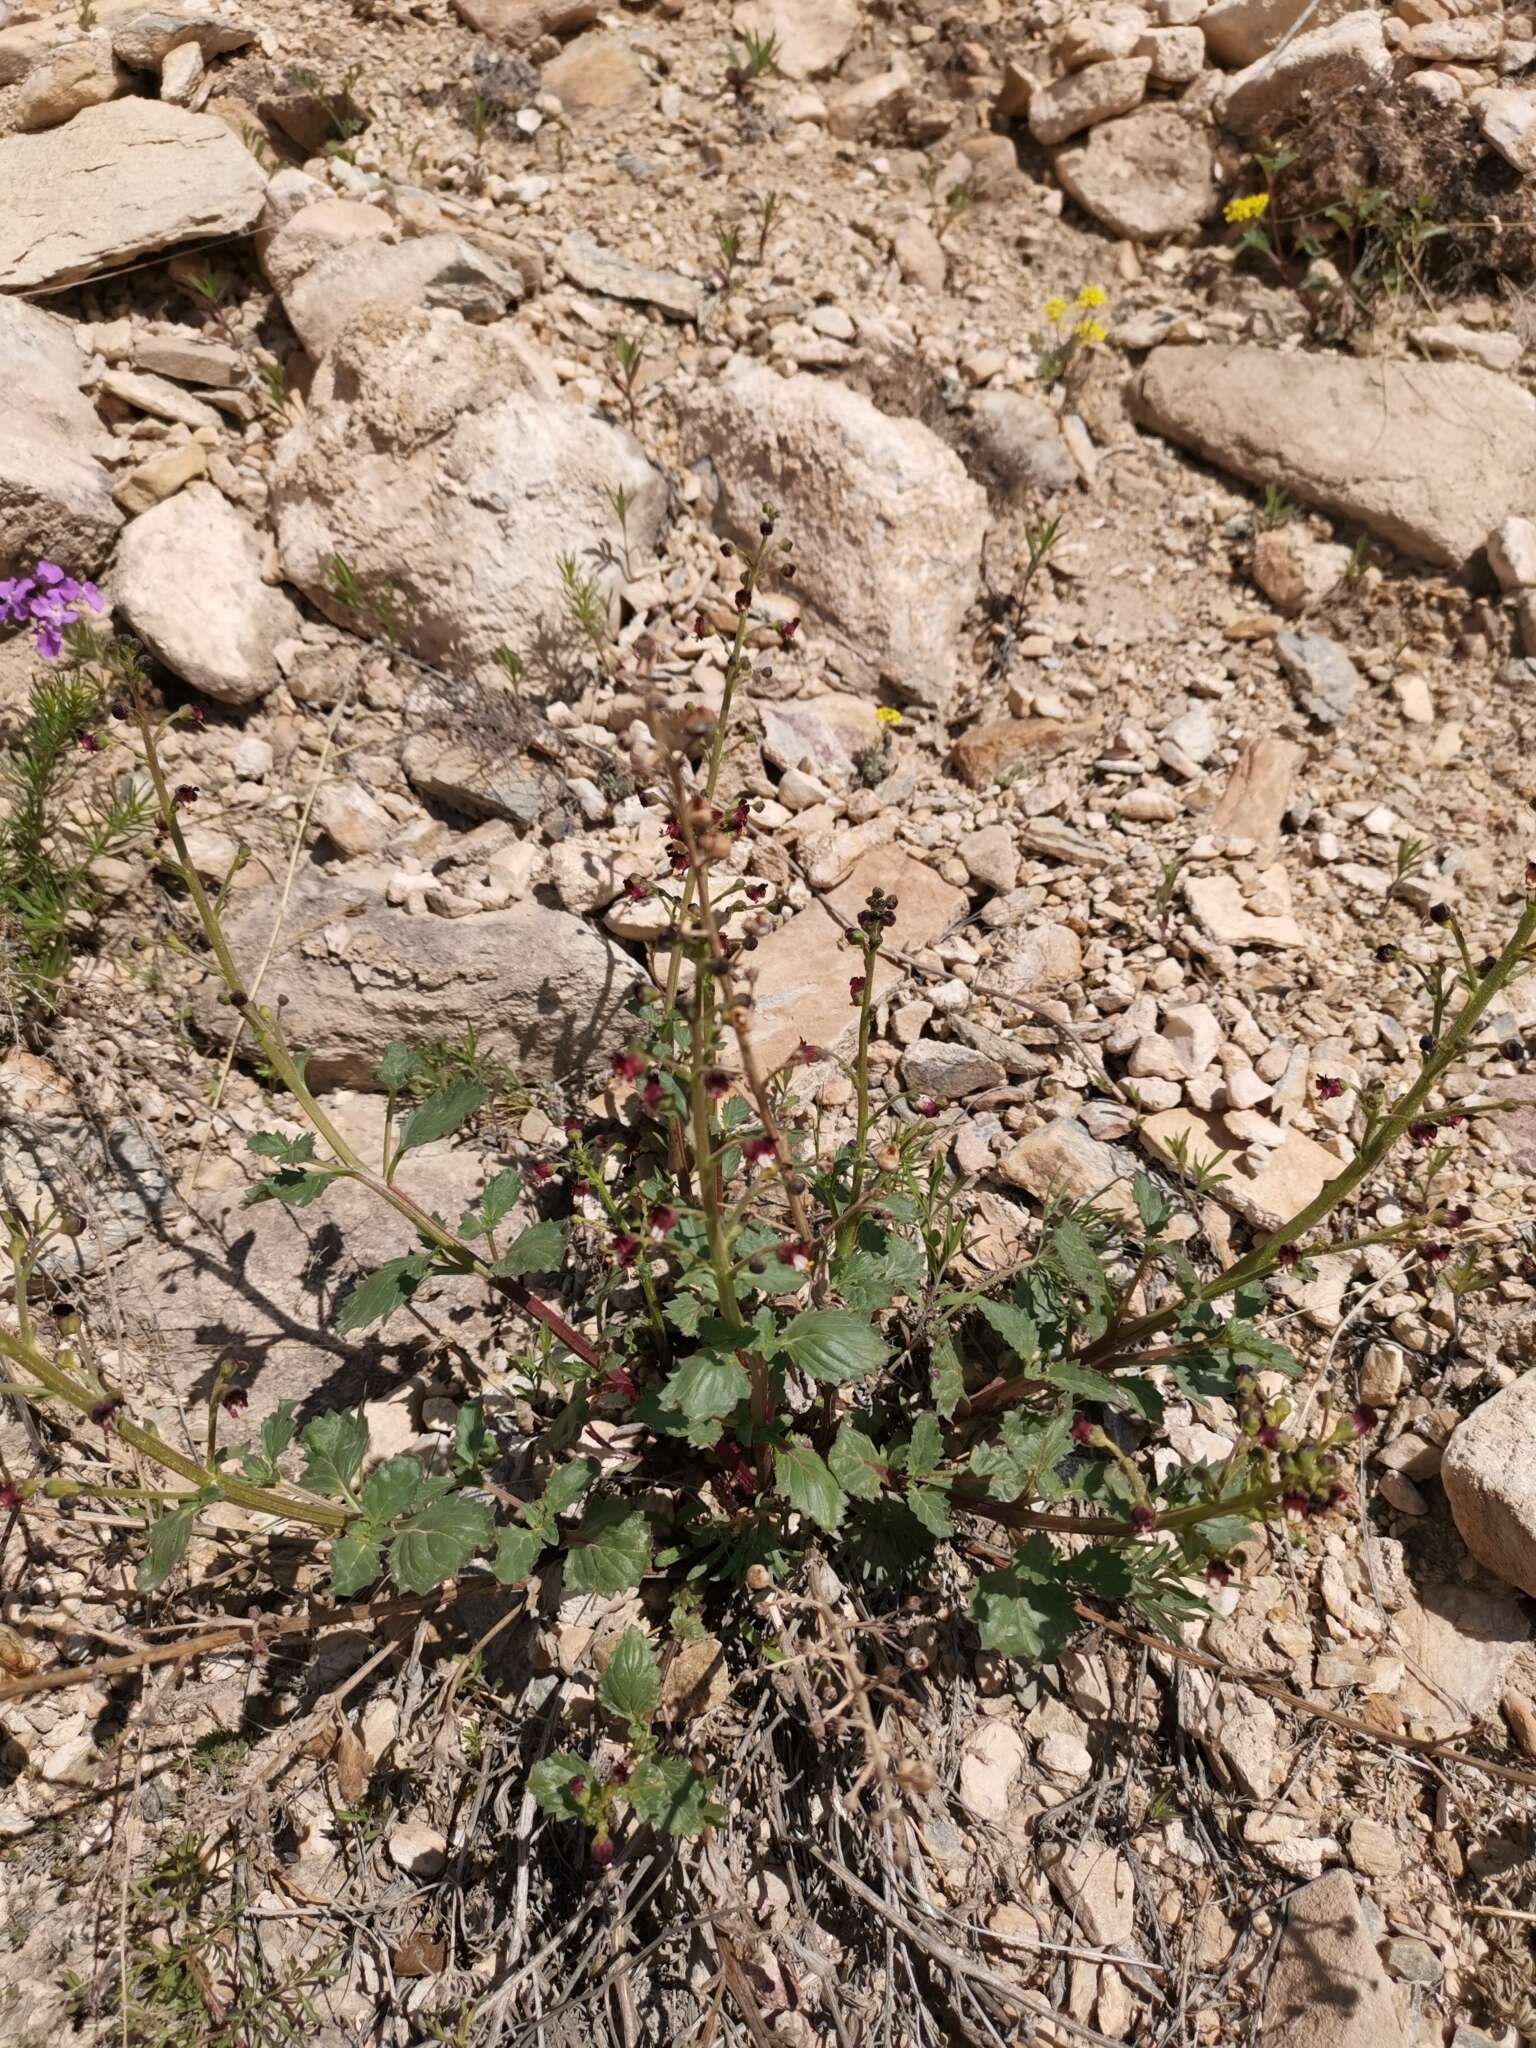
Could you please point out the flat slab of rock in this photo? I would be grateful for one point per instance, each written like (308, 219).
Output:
(1146, 176)
(813, 36)
(119, 181)
(1489, 1476)
(366, 276)
(1328, 1988)
(1062, 1158)
(596, 269)
(542, 989)
(1239, 32)
(55, 496)
(1292, 1176)
(188, 581)
(1431, 456)
(1318, 66)
(438, 458)
(521, 22)
(839, 470)
(801, 990)
(1258, 793)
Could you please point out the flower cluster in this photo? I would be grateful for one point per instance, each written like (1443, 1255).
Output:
(1253, 207)
(47, 601)
(1086, 331)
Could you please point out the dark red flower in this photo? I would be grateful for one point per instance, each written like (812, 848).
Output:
(88, 743)
(1142, 1516)
(1288, 1255)
(197, 715)
(637, 889)
(625, 1248)
(791, 1252)
(1218, 1572)
(856, 986)
(788, 628)
(650, 1094)
(1269, 1437)
(758, 1149)
(661, 1219)
(1361, 1420)
(1422, 1133)
(576, 1787)
(927, 1107)
(628, 1066)
(756, 891)
(104, 1411)
(1434, 1254)
(1457, 1216)
(1294, 1503)
(10, 1499)
(1082, 1430)
(540, 1169)
(183, 794)
(716, 1083)
(808, 1054)
(572, 1127)
(236, 1401)
(1329, 1087)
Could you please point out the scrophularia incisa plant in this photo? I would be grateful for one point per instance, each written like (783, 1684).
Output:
(745, 1346)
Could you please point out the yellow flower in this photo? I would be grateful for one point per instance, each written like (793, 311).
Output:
(1055, 309)
(888, 715)
(1092, 295)
(1254, 207)
(1088, 332)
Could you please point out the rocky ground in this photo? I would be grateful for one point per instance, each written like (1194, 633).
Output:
(317, 325)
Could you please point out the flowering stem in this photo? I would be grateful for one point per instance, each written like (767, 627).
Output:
(848, 1224)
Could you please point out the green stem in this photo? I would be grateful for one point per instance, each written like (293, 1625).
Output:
(845, 1228)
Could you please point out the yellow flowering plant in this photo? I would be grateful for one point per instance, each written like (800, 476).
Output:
(1074, 330)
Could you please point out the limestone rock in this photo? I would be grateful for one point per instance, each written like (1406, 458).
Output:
(872, 107)
(437, 459)
(1084, 98)
(1296, 572)
(144, 36)
(431, 270)
(1318, 66)
(1326, 680)
(813, 36)
(523, 22)
(989, 1766)
(830, 731)
(596, 269)
(1328, 1988)
(920, 255)
(839, 471)
(1258, 793)
(1512, 554)
(1428, 455)
(54, 495)
(1239, 32)
(987, 752)
(1507, 117)
(1267, 1196)
(119, 181)
(1062, 1158)
(1017, 443)
(1489, 1478)
(1095, 1881)
(935, 1067)
(76, 75)
(289, 247)
(352, 820)
(188, 583)
(595, 74)
(160, 478)
(1146, 176)
(541, 988)
(23, 45)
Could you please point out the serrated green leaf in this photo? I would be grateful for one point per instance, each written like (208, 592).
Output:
(471, 1438)
(926, 1448)
(438, 1542)
(802, 1477)
(1016, 1329)
(707, 1385)
(1025, 1460)
(396, 1067)
(550, 1783)
(683, 1312)
(631, 1685)
(611, 1551)
(440, 1115)
(669, 1793)
(931, 1508)
(1025, 1610)
(375, 1299)
(356, 1560)
(1070, 1248)
(293, 1187)
(391, 1488)
(1152, 1205)
(273, 1145)
(567, 1485)
(854, 1462)
(517, 1552)
(277, 1430)
(538, 1249)
(497, 1199)
(883, 1267)
(945, 1376)
(834, 1345)
(1083, 1382)
(169, 1536)
(334, 1447)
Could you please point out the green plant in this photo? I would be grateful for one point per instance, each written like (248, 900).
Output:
(337, 103)
(52, 830)
(766, 213)
(752, 58)
(1278, 509)
(384, 608)
(586, 606)
(256, 142)
(958, 199)
(619, 502)
(628, 357)
(782, 1324)
(274, 384)
(728, 247)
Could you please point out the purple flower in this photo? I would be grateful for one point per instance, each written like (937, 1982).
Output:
(47, 601)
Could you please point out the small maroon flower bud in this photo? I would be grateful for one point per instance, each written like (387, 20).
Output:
(1487, 964)
(1142, 1517)
(637, 889)
(572, 1126)
(1452, 1123)
(788, 628)
(625, 1248)
(1439, 913)
(856, 986)
(757, 1149)
(661, 1219)
(1294, 1503)
(581, 1187)
(791, 1252)
(927, 1107)
(1421, 1133)
(756, 891)
(1329, 1087)
(197, 715)
(650, 1094)
(716, 1083)
(1434, 1254)
(104, 1411)
(808, 1054)
(88, 743)
(726, 548)
(700, 625)
(1269, 1437)
(1218, 1572)
(236, 1401)
(602, 1852)
(577, 1787)
(1386, 953)
(1361, 1420)
(10, 1499)
(1288, 1256)
(1458, 1215)
(1082, 1430)
(627, 1066)
(540, 1170)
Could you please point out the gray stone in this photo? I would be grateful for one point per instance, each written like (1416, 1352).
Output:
(1489, 1476)
(542, 989)
(1017, 442)
(368, 277)
(1410, 1960)
(76, 75)
(1325, 678)
(1084, 98)
(117, 182)
(1146, 176)
(188, 582)
(596, 269)
(1239, 32)
(1431, 456)
(934, 1067)
(839, 471)
(111, 1177)
(439, 461)
(144, 37)
(55, 499)
(1318, 66)
(812, 37)
(1328, 1989)
(522, 23)
(480, 779)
